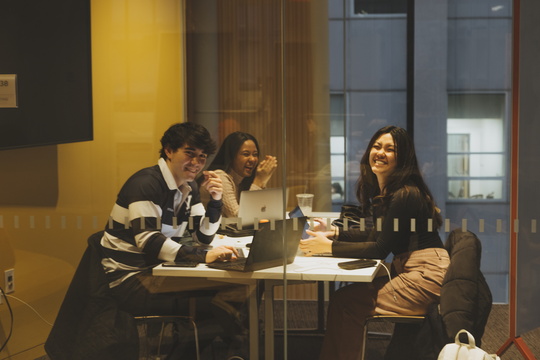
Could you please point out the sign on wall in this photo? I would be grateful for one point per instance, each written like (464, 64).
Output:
(8, 91)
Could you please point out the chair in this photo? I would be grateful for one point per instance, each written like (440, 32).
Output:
(89, 324)
(465, 301)
(146, 346)
(393, 319)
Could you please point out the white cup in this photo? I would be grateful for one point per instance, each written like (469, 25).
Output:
(305, 202)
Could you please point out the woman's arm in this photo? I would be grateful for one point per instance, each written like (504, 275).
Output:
(381, 242)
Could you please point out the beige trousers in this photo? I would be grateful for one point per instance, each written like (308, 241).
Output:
(416, 283)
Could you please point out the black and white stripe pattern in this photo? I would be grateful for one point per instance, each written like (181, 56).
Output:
(151, 210)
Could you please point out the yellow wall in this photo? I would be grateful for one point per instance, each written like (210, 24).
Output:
(137, 94)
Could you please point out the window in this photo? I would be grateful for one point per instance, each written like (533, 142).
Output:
(337, 149)
(476, 148)
(371, 7)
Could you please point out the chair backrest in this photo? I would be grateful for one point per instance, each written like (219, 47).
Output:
(466, 299)
(94, 240)
(89, 325)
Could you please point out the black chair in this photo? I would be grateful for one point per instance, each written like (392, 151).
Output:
(465, 303)
(392, 319)
(89, 324)
(151, 347)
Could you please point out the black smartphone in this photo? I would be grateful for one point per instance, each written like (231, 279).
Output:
(180, 264)
(357, 264)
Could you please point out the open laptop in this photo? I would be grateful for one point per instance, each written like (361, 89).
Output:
(260, 204)
(266, 249)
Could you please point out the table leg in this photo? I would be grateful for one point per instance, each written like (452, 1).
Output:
(253, 323)
(269, 319)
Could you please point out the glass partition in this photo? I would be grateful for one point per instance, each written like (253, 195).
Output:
(313, 80)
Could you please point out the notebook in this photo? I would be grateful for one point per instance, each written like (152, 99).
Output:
(260, 204)
(266, 249)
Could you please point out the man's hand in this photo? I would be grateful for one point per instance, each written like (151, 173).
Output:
(222, 253)
(213, 184)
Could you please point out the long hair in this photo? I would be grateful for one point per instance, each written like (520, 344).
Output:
(407, 172)
(227, 152)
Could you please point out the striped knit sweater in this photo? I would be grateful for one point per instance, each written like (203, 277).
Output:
(149, 217)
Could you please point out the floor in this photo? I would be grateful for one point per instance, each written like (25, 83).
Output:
(304, 339)
(302, 314)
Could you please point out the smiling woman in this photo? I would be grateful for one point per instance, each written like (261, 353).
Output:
(390, 189)
(382, 158)
(238, 165)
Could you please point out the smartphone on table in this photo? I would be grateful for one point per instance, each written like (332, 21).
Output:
(357, 264)
(180, 264)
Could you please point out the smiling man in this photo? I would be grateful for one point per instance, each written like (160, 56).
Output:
(154, 209)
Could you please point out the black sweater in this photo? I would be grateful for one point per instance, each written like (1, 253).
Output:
(406, 204)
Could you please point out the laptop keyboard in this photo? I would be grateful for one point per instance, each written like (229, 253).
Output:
(230, 265)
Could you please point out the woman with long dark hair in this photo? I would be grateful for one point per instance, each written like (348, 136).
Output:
(391, 189)
(238, 164)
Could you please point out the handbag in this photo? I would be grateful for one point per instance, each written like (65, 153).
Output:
(350, 217)
(465, 351)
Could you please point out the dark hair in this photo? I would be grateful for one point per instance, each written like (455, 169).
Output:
(337, 188)
(187, 133)
(227, 152)
(406, 173)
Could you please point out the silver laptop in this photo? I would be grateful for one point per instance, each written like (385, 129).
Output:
(266, 248)
(260, 204)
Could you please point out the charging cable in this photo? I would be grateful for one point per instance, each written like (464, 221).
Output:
(2, 293)
(31, 308)
(389, 279)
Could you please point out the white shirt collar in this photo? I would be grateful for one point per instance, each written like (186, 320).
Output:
(169, 178)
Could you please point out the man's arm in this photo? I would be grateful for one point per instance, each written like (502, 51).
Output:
(206, 222)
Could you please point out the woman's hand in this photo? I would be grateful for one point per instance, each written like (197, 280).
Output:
(318, 243)
(222, 253)
(265, 170)
(213, 184)
(320, 225)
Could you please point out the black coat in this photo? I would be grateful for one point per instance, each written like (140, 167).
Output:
(89, 325)
(465, 303)
(465, 296)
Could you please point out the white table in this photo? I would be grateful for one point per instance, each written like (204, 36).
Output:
(302, 269)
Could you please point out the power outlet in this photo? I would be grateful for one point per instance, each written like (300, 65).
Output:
(9, 281)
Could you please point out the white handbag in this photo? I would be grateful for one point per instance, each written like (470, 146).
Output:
(465, 351)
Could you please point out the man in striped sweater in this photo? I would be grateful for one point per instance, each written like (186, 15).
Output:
(153, 211)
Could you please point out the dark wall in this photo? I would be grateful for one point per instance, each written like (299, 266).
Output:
(47, 45)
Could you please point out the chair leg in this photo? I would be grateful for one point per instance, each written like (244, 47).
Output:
(196, 333)
(160, 339)
(364, 337)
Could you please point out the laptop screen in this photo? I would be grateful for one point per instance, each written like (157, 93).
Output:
(262, 204)
(267, 246)
(297, 213)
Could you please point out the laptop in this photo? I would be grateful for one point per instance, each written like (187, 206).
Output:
(266, 249)
(260, 204)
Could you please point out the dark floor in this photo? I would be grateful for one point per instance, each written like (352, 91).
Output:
(304, 339)
(303, 314)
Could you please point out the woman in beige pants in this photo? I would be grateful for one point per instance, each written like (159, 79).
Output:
(391, 188)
